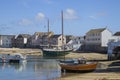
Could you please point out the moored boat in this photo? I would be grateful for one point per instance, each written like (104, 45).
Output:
(66, 61)
(55, 52)
(88, 66)
(12, 58)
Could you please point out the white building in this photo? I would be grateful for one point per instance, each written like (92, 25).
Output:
(21, 40)
(40, 39)
(34, 39)
(76, 43)
(97, 39)
(6, 41)
(56, 41)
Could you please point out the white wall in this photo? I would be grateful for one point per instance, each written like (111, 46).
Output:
(5, 41)
(93, 38)
(106, 35)
(60, 41)
(114, 38)
(25, 40)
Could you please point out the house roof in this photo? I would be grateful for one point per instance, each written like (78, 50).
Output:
(56, 36)
(6, 35)
(96, 30)
(45, 36)
(117, 34)
(43, 33)
(24, 35)
(69, 37)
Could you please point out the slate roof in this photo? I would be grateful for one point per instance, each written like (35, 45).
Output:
(55, 36)
(25, 35)
(96, 30)
(117, 34)
(43, 33)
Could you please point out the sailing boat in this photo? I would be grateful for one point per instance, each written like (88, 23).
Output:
(56, 52)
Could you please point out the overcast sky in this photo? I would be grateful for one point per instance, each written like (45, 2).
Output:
(29, 16)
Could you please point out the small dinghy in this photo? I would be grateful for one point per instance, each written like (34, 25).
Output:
(12, 58)
(86, 67)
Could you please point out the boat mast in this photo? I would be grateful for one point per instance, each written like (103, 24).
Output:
(48, 32)
(63, 33)
(62, 29)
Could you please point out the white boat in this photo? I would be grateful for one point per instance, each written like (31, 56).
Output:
(12, 58)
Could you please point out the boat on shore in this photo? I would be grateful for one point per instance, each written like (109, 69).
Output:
(66, 61)
(76, 67)
(55, 52)
(12, 58)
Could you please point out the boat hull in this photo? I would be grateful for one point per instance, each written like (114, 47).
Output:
(55, 53)
(79, 67)
(12, 58)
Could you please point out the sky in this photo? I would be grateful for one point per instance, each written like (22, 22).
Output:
(30, 16)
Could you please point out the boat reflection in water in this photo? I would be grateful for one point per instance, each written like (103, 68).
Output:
(18, 67)
(33, 70)
(49, 70)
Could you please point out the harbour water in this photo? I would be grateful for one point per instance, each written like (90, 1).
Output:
(33, 69)
(36, 68)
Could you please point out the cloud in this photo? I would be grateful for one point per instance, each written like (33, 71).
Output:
(40, 16)
(26, 5)
(98, 15)
(102, 14)
(25, 22)
(70, 14)
(92, 17)
(48, 1)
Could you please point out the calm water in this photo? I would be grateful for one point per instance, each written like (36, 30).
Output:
(34, 69)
